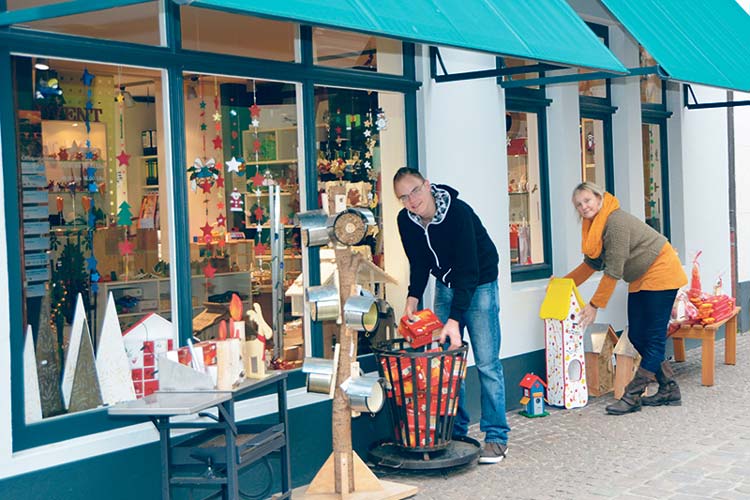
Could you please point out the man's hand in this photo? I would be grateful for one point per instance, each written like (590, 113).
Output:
(587, 316)
(451, 331)
(411, 307)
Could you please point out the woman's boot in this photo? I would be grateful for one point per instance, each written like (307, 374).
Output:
(669, 391)
(631, 399)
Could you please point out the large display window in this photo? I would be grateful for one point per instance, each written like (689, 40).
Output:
(93, 217)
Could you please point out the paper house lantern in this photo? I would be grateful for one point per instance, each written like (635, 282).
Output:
(566, 363)
(533, 396)
(599, 342)
(144, 342)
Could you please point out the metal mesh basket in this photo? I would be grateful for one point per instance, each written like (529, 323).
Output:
(422, 390)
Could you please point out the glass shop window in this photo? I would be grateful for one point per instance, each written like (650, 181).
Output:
(132, 23)
(593, 151)
(652, 175)
(360, 137)
(210, 30)
(243, 189)
(342, 49)
(95, 243)
(524, 193)
(651, 85)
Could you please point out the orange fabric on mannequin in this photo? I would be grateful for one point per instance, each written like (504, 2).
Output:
(593, 230)
(580, 273)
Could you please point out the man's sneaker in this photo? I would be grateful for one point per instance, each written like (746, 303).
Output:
(493, 453)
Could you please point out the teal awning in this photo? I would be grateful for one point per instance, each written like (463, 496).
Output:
(694, 41)
(543, 30)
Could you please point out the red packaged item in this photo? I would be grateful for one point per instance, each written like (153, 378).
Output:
(420, 332)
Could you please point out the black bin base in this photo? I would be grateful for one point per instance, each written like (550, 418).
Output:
(459, 451)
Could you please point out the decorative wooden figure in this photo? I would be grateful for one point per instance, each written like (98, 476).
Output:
(599, 342)
(533, 396)
(254, 350)
(48, 363)
(627, 361)
(31, 398)
(566, 363)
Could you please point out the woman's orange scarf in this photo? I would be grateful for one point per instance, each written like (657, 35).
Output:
(592, 230)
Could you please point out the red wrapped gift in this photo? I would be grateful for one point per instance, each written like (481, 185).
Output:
(420, 332)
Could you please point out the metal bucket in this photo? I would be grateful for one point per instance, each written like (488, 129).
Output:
(366, 394)
(324, 302)
(361, 313)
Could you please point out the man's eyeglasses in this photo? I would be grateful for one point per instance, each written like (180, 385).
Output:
(413, 192)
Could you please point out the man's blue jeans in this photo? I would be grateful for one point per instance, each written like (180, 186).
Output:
(482, 321)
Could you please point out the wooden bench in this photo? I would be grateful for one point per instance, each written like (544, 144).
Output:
(707, 336)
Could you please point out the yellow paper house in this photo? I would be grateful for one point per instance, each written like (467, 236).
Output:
(566, 362)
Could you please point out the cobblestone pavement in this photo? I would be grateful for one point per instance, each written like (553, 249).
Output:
(698, 450)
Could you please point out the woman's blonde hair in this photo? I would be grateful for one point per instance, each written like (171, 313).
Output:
(596, 189)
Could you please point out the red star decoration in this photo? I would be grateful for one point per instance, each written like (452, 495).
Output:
(258, 213)
(209, 271)
(217, 142)
(220, 182)
(338, 130)
(221, 220)
(207, 228)
(254, 111)
(123, 158)
(206, 186)
(234, 134)
(256, 145)
(257, 179)
(216, 102)
(220, 205)
(125, 247)
(217, 126)
(260, 249)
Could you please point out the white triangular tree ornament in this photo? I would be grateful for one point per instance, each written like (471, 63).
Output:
(32, 400)
(80, 327)
(112, 365)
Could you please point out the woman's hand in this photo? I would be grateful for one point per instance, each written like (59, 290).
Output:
(587, 316)
(451, 331)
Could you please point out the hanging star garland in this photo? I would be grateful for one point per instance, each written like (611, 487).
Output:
(209, 271)
(207, 228)
(233, 165)
(126, 248)
(123, 158)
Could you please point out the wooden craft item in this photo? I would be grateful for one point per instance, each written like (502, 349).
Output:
(31, 398)
(229, 364)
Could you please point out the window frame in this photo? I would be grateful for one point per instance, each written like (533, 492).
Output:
(527, 100)
(600, 108)
(173, 61)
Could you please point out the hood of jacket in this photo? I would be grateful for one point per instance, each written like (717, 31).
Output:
(443, 196)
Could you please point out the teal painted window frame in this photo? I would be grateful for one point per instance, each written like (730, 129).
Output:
(600, 108)
(175, 61)
(524, 102)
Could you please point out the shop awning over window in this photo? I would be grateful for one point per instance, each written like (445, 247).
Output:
(697, 41)
(543, 30)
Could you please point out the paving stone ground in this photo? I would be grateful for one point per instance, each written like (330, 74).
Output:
(698, 450)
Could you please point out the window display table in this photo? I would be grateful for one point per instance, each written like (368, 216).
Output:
(707, 336)
(222, 446)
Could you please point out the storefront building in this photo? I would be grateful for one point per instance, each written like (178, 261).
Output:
(141, 140)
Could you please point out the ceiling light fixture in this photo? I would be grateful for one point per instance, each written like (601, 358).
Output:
(42, 64)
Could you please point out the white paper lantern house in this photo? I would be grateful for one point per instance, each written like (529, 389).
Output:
(566, 361)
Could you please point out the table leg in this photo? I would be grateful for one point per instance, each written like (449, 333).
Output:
(708, 361)
(679, 349)
(286, 475)
(730, 341)
(164, 442)
(231, 491)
